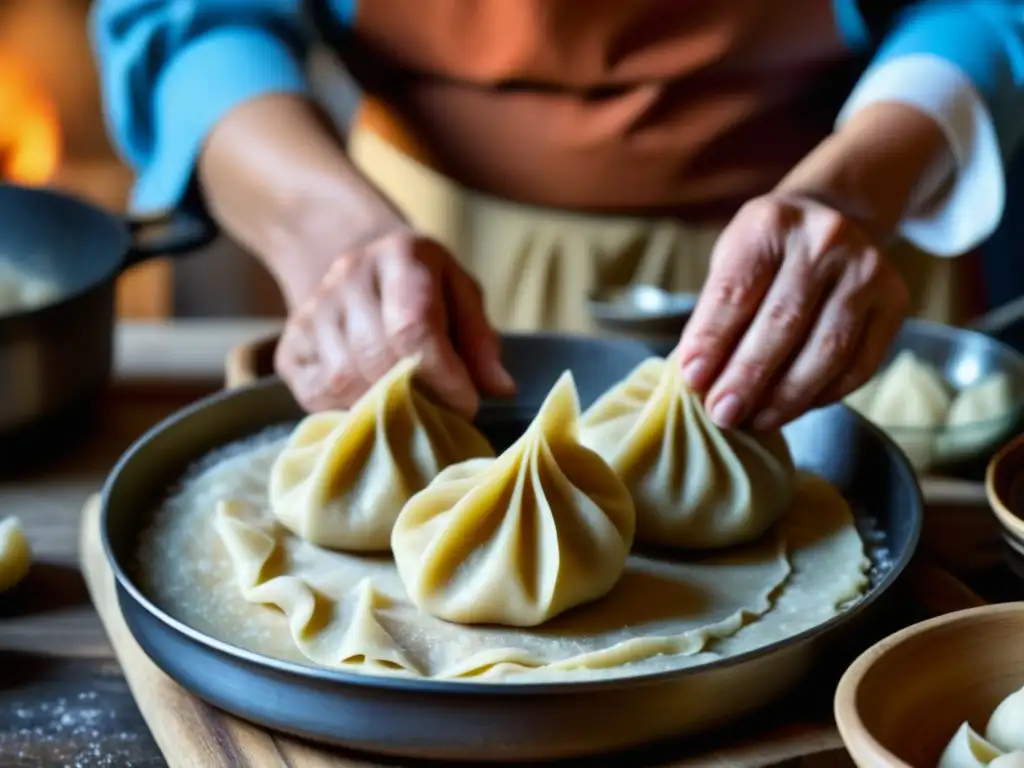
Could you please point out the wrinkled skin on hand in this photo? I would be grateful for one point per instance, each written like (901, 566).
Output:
(799, 309)
(395, 296)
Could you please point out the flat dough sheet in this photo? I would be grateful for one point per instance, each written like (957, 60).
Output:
(230, 571)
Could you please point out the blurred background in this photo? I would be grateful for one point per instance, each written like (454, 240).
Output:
(52, 133)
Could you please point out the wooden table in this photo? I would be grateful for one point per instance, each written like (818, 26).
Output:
(63, 700)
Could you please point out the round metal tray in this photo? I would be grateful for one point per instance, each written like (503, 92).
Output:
(454, 720)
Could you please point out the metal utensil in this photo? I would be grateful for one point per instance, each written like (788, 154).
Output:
(55, 359)
(453, 720)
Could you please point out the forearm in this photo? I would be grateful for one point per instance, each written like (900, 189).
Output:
(887, 162)
(275, 175)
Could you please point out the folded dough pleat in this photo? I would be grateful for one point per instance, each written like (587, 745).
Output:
(344, 476)
(518, 539)
(694, 485)
(334, 632)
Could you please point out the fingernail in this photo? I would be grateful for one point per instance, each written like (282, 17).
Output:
(768, 419)
(503, 379)
(693, 372)
(727, 411)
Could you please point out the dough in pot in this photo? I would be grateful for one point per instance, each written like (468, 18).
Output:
(694, 485)
(344, 476)
(518, 539)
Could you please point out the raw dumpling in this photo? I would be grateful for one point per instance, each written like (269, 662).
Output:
(981, 415)
(968, 750)
(910, 400)
(344, 476)
(910, 393)
(519, 539)
(1010, 760)
(694, 485)
(1005, 728)
(15, 554)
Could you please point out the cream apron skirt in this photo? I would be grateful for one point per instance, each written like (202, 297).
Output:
(537, 265)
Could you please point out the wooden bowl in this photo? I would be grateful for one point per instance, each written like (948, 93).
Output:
(1004, 486)
(901, 701)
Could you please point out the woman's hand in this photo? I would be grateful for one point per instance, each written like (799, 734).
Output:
(799, 308)
(362, 289)
(396, 296)
(801, 304)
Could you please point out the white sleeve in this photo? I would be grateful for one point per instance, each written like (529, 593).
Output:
(971, 210)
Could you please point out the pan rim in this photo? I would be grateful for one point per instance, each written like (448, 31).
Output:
(456, 687)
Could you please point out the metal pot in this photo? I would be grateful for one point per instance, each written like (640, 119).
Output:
(57, 358)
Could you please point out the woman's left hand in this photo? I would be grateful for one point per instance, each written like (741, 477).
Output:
(799, 309)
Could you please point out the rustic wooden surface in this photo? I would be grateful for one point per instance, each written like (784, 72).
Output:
(63, 698)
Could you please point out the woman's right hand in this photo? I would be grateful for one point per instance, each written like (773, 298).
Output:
(363, 290)
(398, 295)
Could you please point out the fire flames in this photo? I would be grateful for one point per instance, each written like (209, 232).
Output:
(30, 141)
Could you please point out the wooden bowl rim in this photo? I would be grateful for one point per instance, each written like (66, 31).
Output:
(1006, 518)
(861, 743)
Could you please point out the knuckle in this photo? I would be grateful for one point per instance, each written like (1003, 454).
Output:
(409, 335)
(836, 343)
(786, 316)
(751, 372)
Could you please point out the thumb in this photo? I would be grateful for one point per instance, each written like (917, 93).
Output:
(475, 338)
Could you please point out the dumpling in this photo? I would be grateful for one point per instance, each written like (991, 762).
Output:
(343, 476)
(1009, 760)
(910, 393)
(980, 416)
(15, 554)
(967, 750)
(694, 485)
(911, 401)
(519, 539)
(1005, 727)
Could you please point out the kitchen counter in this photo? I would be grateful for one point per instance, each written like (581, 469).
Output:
(63, 701)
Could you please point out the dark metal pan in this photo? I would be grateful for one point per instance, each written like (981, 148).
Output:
(467, 721)
(55, 359)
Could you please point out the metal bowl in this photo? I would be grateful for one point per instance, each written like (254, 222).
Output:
(455, 720)
(963, 357)
(646, 312)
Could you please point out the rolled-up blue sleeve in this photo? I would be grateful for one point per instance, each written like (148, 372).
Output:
(171, 70)
(962, 63)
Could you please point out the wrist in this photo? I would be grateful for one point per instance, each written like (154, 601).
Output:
(887, 161)
(277, 178)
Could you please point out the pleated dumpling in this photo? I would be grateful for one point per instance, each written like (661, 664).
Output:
(518, 539)
(694, 485)
(343, 476)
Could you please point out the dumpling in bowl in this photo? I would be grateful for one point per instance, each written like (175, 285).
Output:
(694, 485)
(967, 750)
(519, 539)
(343, 476)
(1005, 727)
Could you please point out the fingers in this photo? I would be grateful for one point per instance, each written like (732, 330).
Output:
(476, 339)
(829, 349)
(415, 321)
(743, 265)
(880, 329)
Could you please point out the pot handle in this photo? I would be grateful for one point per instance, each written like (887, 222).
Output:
(173, 233)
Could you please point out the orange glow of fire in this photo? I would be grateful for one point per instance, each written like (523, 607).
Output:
(30, 140)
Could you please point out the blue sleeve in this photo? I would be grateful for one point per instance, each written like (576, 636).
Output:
(171, 70)
(984, 39)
